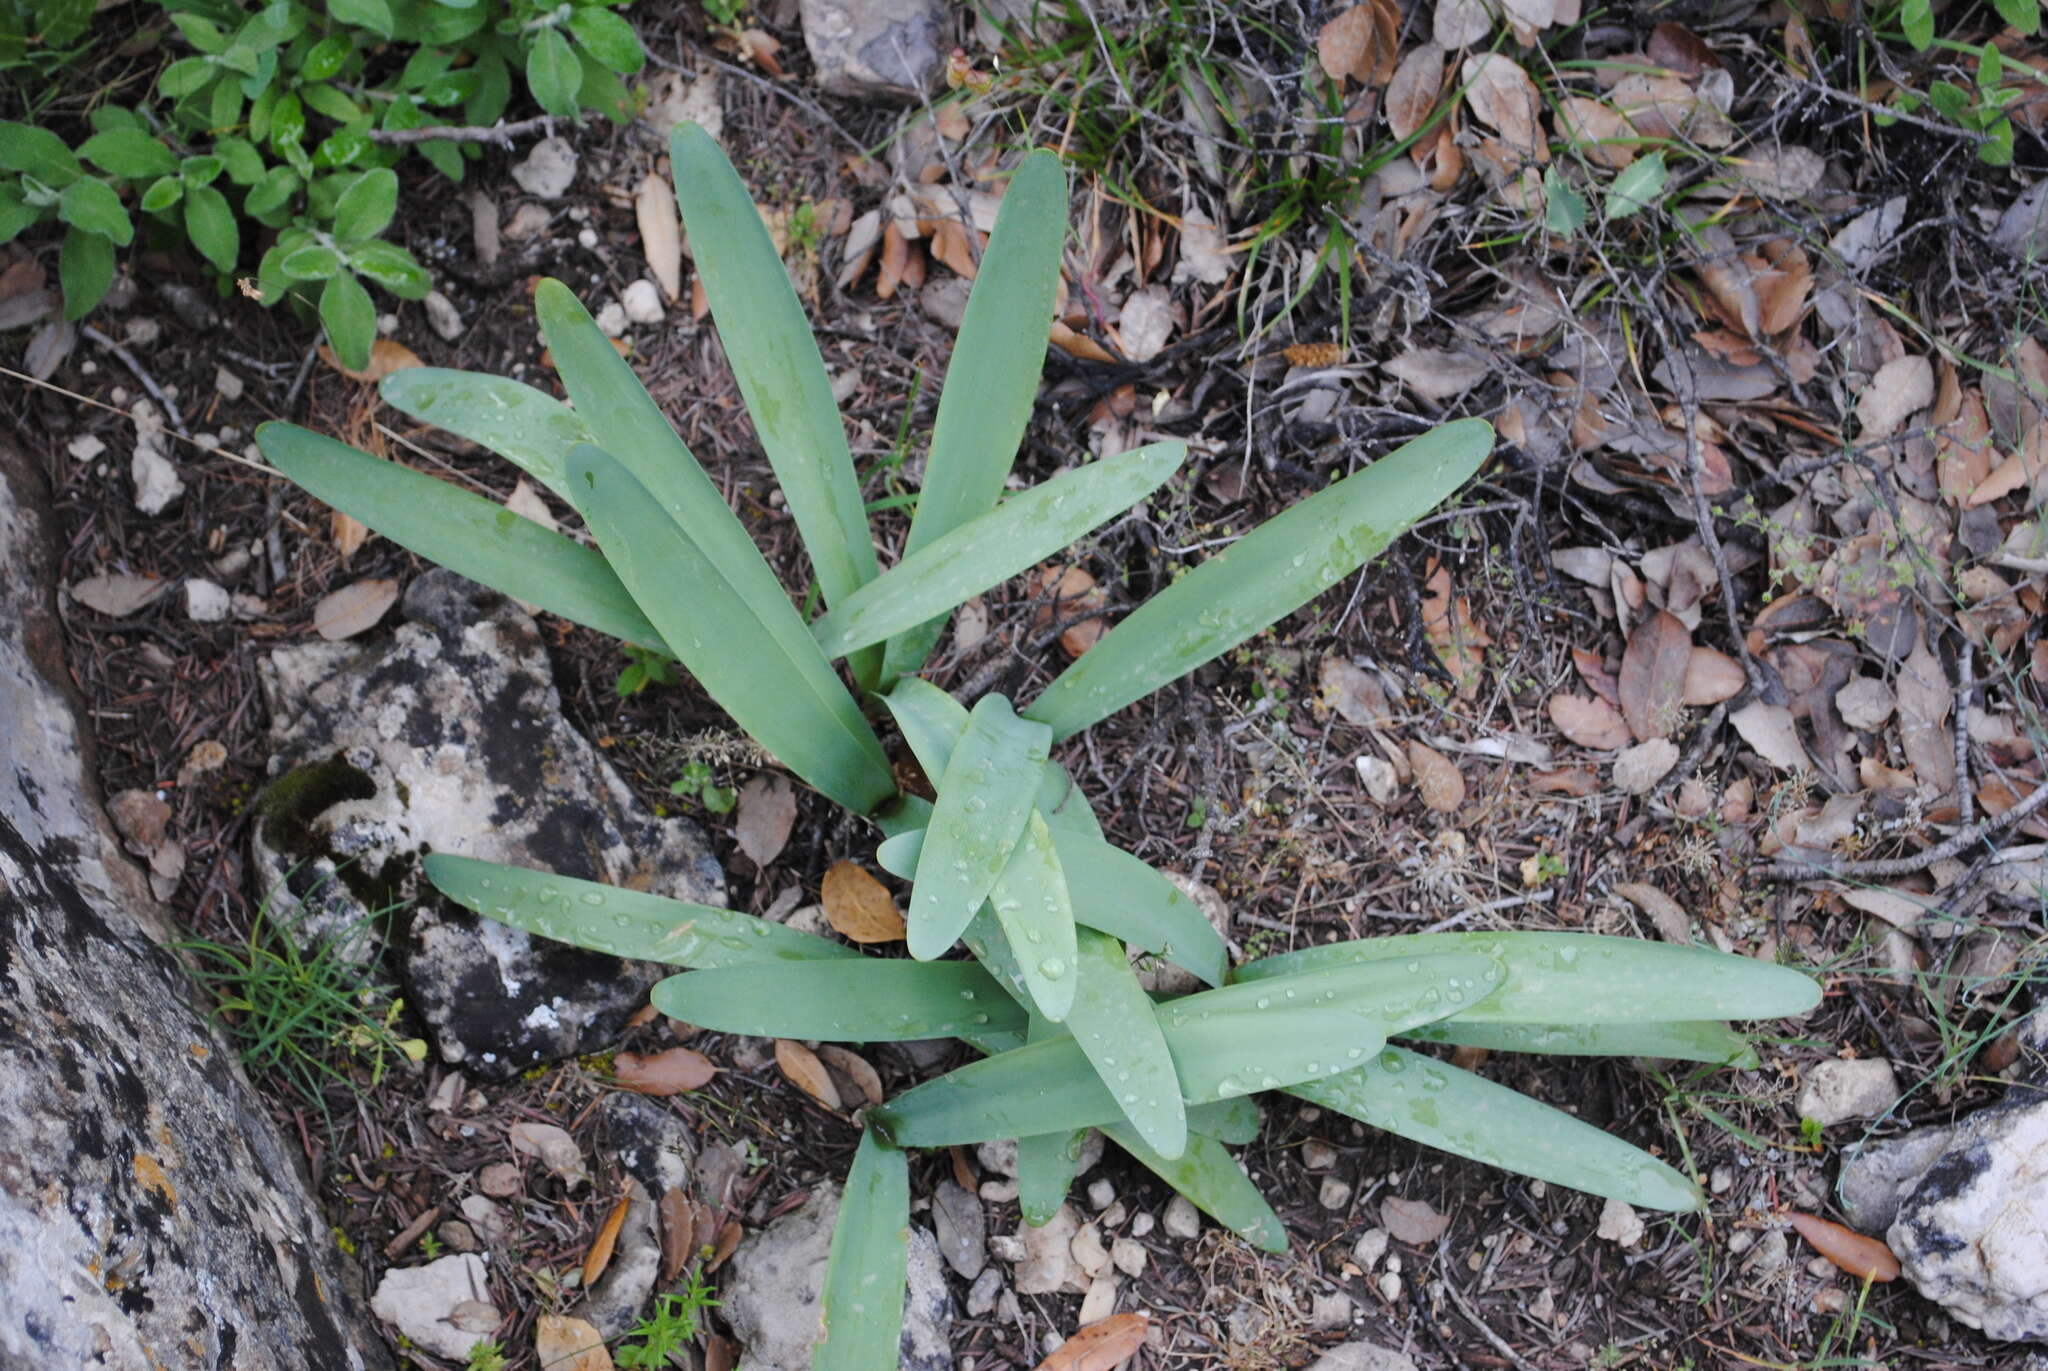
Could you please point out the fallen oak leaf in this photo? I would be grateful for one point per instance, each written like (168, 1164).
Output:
(386, 356)
(354, 608)
(859, 907)
(1590, 723)
(1862, 1257)
(607, 1239)
(807, 1073)
(1652, 678)
(767, 809)
(1099, 1346)
(561, 1343)
(663, 1073)
(554, 1148)
(1437, 778)
(1711, 677)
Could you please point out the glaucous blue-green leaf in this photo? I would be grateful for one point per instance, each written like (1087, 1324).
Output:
(1114, 1024)
(931, 720)
(868, 1263)
(880, 1001)
(527, 427)
(1680, 1040)
(1117, 893)
(1032, 905)
(1235, 1120)
(1046, 1162)
(1213, 1182)
(780, 373)
(1263, 577)
(1013, 537)
(983, 806)
(992, 378)
(1437, 1104)
(625, 923)
(1567, 978)
(789, 701)
(466, 533)
(628, 424)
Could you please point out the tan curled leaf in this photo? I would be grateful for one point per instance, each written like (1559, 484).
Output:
(1461, 23)
(808, 1074)
(1354, 693)
(552, 1147)
(1770, 730)
(1415, 1222)
(1412, 94)
(1711, 677)
(1576, 781)
(1862, 1257)
(855, 1068)
(1590, 723)
(346, 532)
(859, 907)
(1099, 1346)
(561, 1343)
(1638, 769)
(895, 261)
(1436, 778)
(1501, 96)
(1963, 450)
(386, 356)
(1597, 131)
(661, 234)
(767, 809)
(119, 594)
(1360, 43)
(1672, 923)
(670, 1072)
(354, 608)
(678, 1226)
(1924, 697)
(607, 1240)
(1652, 679)
(1900, 388)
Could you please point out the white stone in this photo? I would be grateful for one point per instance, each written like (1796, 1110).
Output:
(1088, 1252)
(227, 383)
(642, 300)
(586, 238)
(1335, 1193)
(85, 447)
(206, 602)
(1973, 1234)
(611, 319)
(1101, 1194)
(1620, 1224)
(1129, 1257)
(419, 1300)
(1326, 1312)
(1370, 1247)
(1836, 1091)
(1181, 1220)
(443, 316)
(1100, 1301)
(1048, 1263)
(157, 483)
(548, 170)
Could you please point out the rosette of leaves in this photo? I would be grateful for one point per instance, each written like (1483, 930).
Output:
(1008, 860)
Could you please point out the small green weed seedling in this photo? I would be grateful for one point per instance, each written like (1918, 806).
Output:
(1010, 858)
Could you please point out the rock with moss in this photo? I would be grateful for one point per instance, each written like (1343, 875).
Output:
(449, 737)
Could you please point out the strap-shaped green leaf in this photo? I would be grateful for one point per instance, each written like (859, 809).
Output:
(1567, 978)
(1235, 1120)
(1032, 905)
(631, 427)
(783, 693)
(527, 427)
(1046, 1162)
(1212, 1182)
(1263, 577)
(880, 1001)
(868, 1264)
(775, 360)
(625, 923)
(1681, 1040)
(1437, 1104)
(932, 721)
(1117, 1029)
(463, 532)
(1013, 537)
(983, 808)
(992, 378)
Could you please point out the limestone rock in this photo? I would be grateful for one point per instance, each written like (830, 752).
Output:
(150, 1212)
(772, 1286)
(421, 1302)
(1877, 1177)
(1362, 1356)
(887, 49)
(1972, 1234)
(548, 170)
(450, 739)
(1836, 1091)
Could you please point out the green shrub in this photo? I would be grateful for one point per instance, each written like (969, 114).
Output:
(264, 130)
(1010, 859)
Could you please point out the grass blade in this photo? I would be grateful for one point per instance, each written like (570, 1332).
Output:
(529, 428)
(466, 533)
(1435, 1103)
(625, 923)
(1266, 575)
(1581, 978)
(1210, 1179)
(992, 377)
(783, 693)
(986, 551)
(982, 810)
(1114, 1023)
(1680, 1040)
(885, 1001)
(868, 1264)
(775, 360)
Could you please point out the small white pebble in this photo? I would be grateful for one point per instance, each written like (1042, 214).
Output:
(1129, 1257)
(586, 237)
(1335, 1194)
(1370, 1247)
(643, 302)
(611, 319)
(1101, 1194)
(1142, 1226)
(1181, 1220)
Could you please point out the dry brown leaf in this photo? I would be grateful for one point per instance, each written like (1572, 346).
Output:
(386, 356)
(1436, 778)
(1354, 693)
(1963, 452)
(1573, 780)
(726, 1243)
(1597, 131)
(855, 1068)
(668, 1072)
(1502, 97)
(1652, 680)
(1638, 769)
(118, 594)
(1068, 591)
(1448, 624)
(1361, 43)
(1461, 23)
(767, 809)
(859, 907)
(1669, 917)
(354, 608)
(601, 1247)
(1783, 285)
(1770, 730)
(1415, 1222)
(1313, 356)
(1677, 48)
(1099, 1346)
(808, 1074)
(1901, 388)
(1439, 373)
(661, 234)
(1412, 94)
(720, 1354)
(1592, 669)
(895, 260)
(1924, 696)
(950, 248)
(347, 532)
(1711, 677)
(1862, 1257)
(554, 1148)
(679, 1218)
(1589, 723)
(561, 1343)
(1079, 344)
